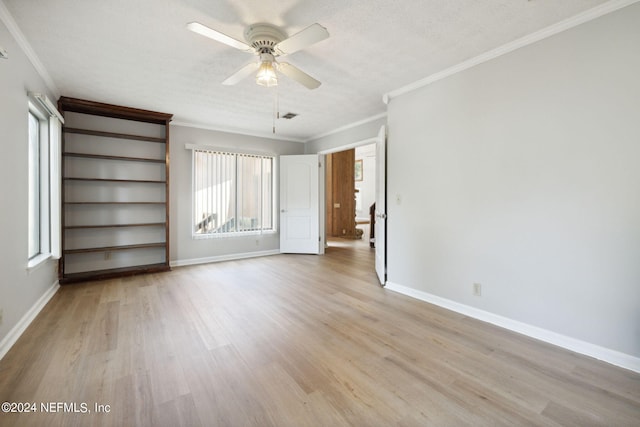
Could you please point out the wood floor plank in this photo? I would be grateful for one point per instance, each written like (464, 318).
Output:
(294, 340)
(180, 412)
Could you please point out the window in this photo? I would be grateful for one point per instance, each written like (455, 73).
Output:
(38, 184)
(34, 185)
(232, 193)
(44, 126)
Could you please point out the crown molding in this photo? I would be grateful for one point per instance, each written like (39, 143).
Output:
(349, 126)
(14, 30)
(581, 18)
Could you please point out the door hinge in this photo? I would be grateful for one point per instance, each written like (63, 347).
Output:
(319, 238)
(319, 164)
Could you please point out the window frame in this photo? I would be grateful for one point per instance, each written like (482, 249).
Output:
(34, 183)
(43, 230)
(49, 228)
(236, 154)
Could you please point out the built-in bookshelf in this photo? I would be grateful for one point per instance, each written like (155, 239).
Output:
(115, 198)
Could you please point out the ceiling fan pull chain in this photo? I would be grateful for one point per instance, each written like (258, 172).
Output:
(275, 108)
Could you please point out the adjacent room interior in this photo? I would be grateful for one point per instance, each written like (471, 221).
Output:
(350, 196)
(320, 213)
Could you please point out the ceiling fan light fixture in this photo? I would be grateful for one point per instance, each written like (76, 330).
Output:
(266, 75)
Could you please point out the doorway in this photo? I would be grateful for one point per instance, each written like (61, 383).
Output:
(350, 177)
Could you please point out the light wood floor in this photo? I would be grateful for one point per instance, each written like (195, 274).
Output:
(294, 341)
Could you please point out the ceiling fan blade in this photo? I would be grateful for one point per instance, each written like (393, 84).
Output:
(310, 35)
(298, 75)
(241, 74)
(203, 30)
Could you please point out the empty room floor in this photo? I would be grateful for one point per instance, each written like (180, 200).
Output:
(292, 340)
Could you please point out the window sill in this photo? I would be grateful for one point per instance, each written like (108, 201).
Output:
(36, 262)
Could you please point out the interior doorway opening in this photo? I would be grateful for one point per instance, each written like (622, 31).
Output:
(350, 177)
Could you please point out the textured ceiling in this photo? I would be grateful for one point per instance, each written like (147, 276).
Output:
(138, 52)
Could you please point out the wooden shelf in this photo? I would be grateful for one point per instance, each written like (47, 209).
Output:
(103, 157)
(113, 272)
(133, 137)
(115, 248)
(83, 106)
(114, 135)
(114, 203)
(147, 224)
(115, 180)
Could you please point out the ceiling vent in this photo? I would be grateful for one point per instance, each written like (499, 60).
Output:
(289, 116)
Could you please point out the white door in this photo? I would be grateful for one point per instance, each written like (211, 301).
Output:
(299, 204)
(381, 206)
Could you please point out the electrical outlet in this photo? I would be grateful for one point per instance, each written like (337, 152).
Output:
(257, 242)
(477, 289)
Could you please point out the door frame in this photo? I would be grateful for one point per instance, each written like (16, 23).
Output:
(323, 179)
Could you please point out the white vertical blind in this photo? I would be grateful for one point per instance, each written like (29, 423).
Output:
(232, 192)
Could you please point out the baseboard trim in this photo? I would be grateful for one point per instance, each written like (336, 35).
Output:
(220, 258)
(10, 339)
(613, 357)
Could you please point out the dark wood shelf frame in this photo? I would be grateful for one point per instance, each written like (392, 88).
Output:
(114, 180)
(121, 158)
(76, 105)
(115, 203)
(114, 135)
(66, 104)
(146, 224)
(114, 248)
(113, 272)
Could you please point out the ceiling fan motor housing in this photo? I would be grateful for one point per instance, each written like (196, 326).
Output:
(263, 37)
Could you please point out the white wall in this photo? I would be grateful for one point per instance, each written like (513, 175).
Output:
(529, 183)
(347, 137)
(20, 290)
(184, 249)
(367, 187)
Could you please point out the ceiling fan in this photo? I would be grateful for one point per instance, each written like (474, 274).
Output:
(268, 42)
